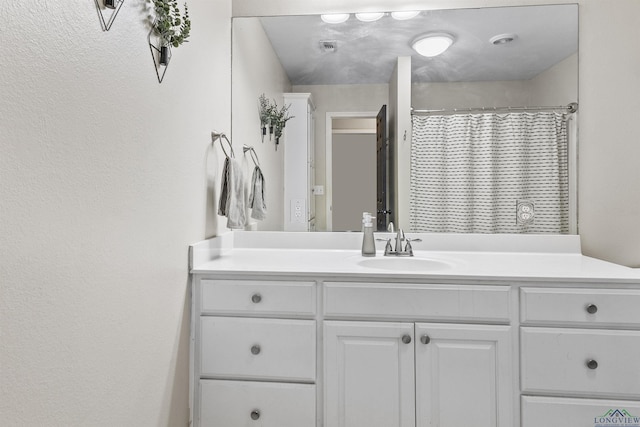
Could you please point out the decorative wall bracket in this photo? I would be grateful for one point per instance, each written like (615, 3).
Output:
(114, 5)
(161, 55)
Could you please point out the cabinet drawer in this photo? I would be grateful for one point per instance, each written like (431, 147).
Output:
(417, 302)
(561, 412)
(257, 297)
(555, 360)
(598, 307)
(245, 403)
(270, 349)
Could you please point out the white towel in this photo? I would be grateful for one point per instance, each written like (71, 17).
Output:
(256, 200)
(232, 195)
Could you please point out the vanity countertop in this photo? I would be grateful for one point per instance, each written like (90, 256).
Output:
(494, 258)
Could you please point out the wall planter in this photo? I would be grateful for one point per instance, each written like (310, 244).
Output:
(114, 6)
(170, 29)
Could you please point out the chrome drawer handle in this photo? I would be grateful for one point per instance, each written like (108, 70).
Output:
(406, 339)
(256, 298)
(255, 349)
(592, 308)
(592, 364)
(425, 339)
(255, 414)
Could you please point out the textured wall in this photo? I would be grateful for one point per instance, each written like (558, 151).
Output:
(103, 184)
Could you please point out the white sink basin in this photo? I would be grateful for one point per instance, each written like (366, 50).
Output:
(405, 264)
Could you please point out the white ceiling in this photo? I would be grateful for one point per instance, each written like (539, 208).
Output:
(367, 52)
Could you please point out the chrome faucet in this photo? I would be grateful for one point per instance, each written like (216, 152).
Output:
(398, 250)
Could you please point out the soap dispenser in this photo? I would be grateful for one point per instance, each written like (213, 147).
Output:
(368, 243)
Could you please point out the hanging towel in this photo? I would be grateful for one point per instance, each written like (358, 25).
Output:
(256, 200)
(232, 195)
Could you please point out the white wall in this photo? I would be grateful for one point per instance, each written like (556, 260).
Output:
(103, 184)
(257, 71)
(433, 96)
(556, 86)
(337, 98)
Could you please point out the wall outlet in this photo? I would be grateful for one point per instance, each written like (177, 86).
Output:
(298, 210)
(318, 190)
(525, 212)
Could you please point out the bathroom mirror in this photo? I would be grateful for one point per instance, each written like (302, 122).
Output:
(518, 56)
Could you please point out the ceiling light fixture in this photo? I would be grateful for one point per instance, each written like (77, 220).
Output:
(503, 39)
(433, 44)
(369, 16)
(335, 18)
(404, 15)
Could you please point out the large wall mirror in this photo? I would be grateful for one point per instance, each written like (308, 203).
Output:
(502, 61)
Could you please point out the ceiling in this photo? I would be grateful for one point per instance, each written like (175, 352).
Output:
(366, 52)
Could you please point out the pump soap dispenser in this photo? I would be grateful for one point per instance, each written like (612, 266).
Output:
(368, 243)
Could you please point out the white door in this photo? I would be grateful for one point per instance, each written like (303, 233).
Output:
(463, 376)
(369, 374)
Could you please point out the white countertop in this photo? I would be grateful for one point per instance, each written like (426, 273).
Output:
(333, 255)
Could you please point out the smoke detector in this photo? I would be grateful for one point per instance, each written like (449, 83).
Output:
(328, 46)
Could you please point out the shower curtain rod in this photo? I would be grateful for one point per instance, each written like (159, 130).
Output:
(571, 108)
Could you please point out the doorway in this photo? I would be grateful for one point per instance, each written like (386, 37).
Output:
(351, 176)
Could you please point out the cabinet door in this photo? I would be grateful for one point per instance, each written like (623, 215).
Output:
(463, 376)
(369, 374)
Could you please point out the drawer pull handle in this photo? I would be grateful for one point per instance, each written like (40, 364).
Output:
(406, 339)
(592, 308)
(592, 364)
(255, 349)
(256, 298)
(425, 339)
(255, 414)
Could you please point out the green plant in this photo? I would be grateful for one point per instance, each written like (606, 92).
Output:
(172, 27)
(279, 118)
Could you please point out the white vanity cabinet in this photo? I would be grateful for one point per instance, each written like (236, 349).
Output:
(575, 367)
(254, 353)
(422, 374)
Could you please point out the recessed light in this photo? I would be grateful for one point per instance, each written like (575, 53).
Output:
(433, 44)
(404, 15)
(369, 16)
(335, 18)
(503, 39)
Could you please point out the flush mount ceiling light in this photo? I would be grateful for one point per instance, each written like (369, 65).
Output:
(404, 15)
(335, 18)
(503, 39)
(433, 44)
(369, 16)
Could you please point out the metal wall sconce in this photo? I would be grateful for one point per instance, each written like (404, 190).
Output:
(115, 6)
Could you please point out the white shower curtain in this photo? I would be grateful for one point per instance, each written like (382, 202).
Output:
(469, 171)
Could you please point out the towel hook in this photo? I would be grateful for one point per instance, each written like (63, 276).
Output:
(220, 136)
(253, 154)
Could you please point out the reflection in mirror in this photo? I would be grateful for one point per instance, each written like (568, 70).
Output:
(353, 68)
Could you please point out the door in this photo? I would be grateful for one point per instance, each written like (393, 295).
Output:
(369, 374)
(463, 376)
(382, 171)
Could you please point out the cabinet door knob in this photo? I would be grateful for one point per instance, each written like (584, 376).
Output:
(255, 349)
(592, 364)
(425, 339)
(255, 414)
(406, 339)
(592, 308)
(256, 298)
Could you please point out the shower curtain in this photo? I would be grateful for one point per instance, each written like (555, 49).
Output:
(470, 171)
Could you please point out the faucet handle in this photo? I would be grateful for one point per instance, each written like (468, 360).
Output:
(408, 249)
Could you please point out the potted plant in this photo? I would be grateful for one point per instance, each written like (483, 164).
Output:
(171, 26)
(265, 114)
(279, 118)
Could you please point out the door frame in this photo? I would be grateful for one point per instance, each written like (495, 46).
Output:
(328, 178)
